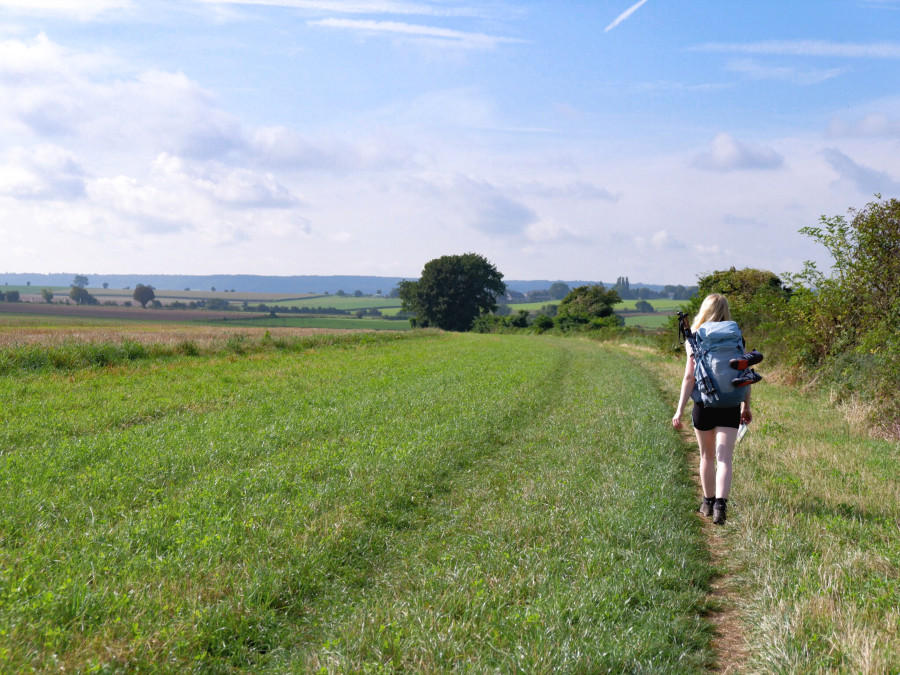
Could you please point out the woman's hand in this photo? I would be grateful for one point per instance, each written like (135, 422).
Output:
(746, 415)
(676, 420)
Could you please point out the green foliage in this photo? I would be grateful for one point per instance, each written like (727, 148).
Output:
(144, 294)
(758, 301)
(585, 304)
(81, 296)
(543, 322)
(520, 319)
(857, 306)
(748, 291)
(844, 324)
(47, 294)
(558, 290)
(643, 306)
(80, 281)
(452, 292)
(218, 304)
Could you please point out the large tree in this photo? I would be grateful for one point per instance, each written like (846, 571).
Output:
(559, 290)
(453, 291)
(143, 294)
(81, 296)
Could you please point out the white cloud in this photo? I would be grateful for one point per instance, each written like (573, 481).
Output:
(46, 172)
(56, 94)
(144, 207)
(442, 36)
(814, 48)
(866, 179)
(708, 250)
(236, 187)
(728, 154)
(660, 240)
(280, 147)
(624, 15)
(550, 232)
(478, 204)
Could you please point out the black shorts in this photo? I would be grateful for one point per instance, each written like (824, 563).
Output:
(705, 419)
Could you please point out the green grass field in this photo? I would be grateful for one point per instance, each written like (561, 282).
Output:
(333, 323)
(426, 502)
(441, 502)
(658, 305)
(647, 320)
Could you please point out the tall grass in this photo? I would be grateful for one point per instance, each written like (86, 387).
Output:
(73, 354)
(453, 502)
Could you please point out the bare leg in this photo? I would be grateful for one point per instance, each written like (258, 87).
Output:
(707, 442)
(725, 438)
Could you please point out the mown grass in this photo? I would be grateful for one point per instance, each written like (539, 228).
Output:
(454, 502)
(813, 538)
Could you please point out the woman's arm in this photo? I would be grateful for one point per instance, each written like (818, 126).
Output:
(746, 415)
(687, 386)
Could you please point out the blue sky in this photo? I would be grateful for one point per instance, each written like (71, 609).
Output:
(562, 140)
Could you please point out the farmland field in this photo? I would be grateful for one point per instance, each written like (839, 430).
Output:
(421, 501)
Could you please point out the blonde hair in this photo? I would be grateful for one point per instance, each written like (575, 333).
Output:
(714, 308)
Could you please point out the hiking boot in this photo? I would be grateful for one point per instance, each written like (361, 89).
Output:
(749, 377)
(719, 512)
(706, 507)
(746, 361)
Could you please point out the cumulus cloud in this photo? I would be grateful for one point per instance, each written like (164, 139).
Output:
(225, 185)
(866, 179)
(177, 200)
(55, 93)
(61, 96)
(728, 154)
(45, 172)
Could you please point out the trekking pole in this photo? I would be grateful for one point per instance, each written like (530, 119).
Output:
(704, 382)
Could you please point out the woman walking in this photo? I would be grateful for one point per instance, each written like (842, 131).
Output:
(716, 428)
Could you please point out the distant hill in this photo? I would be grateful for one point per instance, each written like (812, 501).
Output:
(249, 283)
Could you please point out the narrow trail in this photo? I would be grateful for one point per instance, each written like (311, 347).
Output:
(729, 644)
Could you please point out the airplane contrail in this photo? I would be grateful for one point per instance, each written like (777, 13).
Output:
(624, 15)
